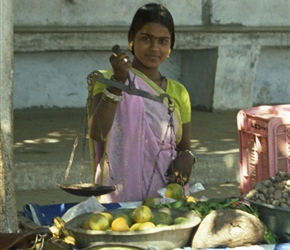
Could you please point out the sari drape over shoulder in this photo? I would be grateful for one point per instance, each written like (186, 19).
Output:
(128, 156)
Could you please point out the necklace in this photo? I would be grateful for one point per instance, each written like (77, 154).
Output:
(159, 81)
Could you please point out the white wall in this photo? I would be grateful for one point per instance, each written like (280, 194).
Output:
(97, 12)
(120, 12)
(57, 43)
(58, 79)
(272, 77)
(251, 13)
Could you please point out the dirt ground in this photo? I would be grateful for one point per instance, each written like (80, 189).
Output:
(47, 136)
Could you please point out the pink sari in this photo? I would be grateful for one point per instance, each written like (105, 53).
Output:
(139, 132)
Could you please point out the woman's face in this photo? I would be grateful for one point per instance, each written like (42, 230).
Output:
(152, 45)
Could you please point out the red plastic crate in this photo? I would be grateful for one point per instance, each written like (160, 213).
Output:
(264, 143)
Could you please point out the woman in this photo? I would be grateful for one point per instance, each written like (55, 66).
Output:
(141, 145)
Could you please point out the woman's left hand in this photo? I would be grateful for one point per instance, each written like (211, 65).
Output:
(179, 170)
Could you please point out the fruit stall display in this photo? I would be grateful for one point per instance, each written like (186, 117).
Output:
(154, 222)
(143, 226)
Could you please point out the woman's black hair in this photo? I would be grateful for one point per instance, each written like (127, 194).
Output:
(152, 13)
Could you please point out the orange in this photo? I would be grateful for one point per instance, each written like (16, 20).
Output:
(149, 202)
(109, 216)
(120, 225)
(126, 217)
(135, 226)
(142, 214)
(161, 217)
(174, 191)
(98, 221)
(146, 225)
(180, 220)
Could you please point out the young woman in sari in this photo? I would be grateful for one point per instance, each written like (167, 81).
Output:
(135, 149)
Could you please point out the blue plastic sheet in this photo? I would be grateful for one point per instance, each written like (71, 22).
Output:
(44, 215)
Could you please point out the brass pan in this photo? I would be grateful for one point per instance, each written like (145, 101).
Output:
(87, 189)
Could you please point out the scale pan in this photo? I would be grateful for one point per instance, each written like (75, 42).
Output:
(86, 189)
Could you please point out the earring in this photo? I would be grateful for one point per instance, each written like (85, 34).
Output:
(168, 53)
(131, 45)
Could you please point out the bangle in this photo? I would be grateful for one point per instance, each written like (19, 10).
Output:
(108, 96)
(193, 156)
(108, 100)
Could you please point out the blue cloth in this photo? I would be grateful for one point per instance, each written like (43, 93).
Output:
(283, 246)
(44, 215)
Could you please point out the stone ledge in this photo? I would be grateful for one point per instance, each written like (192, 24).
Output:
(216, 169)
(46, 175)
(231, 28)
(44, 38)
(33, 175)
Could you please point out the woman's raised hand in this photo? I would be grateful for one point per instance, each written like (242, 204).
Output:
(120, 63)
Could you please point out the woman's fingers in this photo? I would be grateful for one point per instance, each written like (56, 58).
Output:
(120, 63)
(175, 177)
(120, 57)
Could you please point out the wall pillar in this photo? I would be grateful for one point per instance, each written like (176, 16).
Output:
(8, 210)
(235, 76)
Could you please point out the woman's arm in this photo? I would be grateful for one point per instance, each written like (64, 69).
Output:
(181, 167)
(104, 105)
(102, 117)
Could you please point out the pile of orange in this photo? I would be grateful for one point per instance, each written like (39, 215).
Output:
(141, 218)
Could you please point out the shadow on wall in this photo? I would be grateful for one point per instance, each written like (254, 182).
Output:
(272, 84)
(198, 71)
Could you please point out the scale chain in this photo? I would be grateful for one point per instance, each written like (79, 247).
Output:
(170, 127)
(110, 170)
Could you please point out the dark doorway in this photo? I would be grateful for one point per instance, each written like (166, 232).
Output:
(198, 68)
